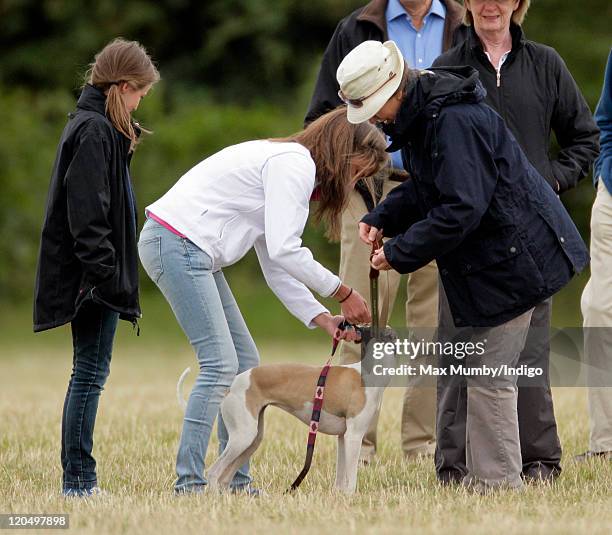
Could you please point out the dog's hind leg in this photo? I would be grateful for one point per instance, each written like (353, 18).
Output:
(242, 430)
(246, 453)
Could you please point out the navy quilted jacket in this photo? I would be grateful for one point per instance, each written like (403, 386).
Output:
(502, 239)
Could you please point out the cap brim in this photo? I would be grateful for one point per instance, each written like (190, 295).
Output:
(373, 104)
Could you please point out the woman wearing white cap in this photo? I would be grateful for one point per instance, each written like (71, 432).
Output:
(501, 237)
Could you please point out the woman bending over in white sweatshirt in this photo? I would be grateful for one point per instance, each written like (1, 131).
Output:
(254, 194)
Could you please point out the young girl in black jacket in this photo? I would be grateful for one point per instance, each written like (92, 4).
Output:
(87, 267)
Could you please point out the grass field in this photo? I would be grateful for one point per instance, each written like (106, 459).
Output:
(136, 440)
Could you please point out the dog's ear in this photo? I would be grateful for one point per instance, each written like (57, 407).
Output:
(376, 354)
(389, 334)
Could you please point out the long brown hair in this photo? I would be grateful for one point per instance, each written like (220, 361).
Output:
(334, 145)
(122, 61)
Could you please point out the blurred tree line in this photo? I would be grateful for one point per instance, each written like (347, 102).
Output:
(232, 70)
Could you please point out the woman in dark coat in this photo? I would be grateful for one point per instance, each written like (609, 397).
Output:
(530, 87)
(501, 237)
(87, 266)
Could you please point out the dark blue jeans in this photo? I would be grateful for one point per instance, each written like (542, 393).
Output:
(93, 331)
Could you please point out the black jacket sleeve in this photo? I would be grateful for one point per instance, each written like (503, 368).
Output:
(88, 203)
(397, 212)
(465, 175)
(576, 131)
(325, 95)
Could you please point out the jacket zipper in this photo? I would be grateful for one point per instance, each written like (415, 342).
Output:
(498, 77)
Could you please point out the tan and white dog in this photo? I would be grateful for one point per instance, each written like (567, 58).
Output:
(348, 409)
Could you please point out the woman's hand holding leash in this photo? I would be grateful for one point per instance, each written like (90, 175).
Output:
(379, 260)
(370, 235)
(355, 309)
(353, 305)
(332, 325)
(345, 330)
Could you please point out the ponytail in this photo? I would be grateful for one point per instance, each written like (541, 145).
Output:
(119, 116)
(122, 61)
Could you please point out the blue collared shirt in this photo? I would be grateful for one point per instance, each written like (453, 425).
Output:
(603, 116)
(419, 47)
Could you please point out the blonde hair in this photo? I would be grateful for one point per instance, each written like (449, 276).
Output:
(122, 61)
(518, 16)
(334, 144)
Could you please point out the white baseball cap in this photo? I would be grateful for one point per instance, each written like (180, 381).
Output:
(368, 76)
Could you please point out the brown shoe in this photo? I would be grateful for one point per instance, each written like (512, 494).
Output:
(606, 455)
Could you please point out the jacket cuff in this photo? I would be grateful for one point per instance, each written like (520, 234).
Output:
(372, 219)
(560, 177)
(389, 249)
(406, 264)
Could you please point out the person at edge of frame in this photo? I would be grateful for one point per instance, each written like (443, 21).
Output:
(596, 299)
(422, 29)
(530, 87)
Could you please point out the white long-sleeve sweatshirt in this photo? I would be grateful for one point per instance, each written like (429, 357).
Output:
(254, 194)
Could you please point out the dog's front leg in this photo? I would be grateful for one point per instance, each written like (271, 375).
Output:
(341, 464)
(352, 446)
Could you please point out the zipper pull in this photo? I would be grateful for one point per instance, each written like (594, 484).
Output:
(499, 78)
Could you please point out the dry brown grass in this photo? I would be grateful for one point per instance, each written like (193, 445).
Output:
(137, 435)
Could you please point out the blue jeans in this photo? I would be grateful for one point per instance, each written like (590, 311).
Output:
(208, 314)
(93, 331)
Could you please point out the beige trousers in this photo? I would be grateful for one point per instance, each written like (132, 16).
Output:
(419, 407)
(596, 306)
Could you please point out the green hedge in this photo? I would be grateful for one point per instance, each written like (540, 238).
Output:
(194, 129)
(208, 99)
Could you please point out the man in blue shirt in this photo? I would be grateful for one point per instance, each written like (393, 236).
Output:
(422, 29)
(597, 295)
(418, 34)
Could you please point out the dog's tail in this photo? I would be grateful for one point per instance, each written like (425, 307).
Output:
(179, 389)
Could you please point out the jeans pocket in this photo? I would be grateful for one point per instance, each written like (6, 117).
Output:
(149, 251)
(197, 258)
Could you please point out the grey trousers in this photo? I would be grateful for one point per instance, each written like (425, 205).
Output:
(478, 424)
(539, 440)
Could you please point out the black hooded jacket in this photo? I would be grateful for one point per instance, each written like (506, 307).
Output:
(536, 95)
(88, 242)
(501, 237)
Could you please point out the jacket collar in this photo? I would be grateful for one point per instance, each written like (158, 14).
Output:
(433, 89)
(516, 32)
(399, 131)
(375, 13)
(92, 99)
